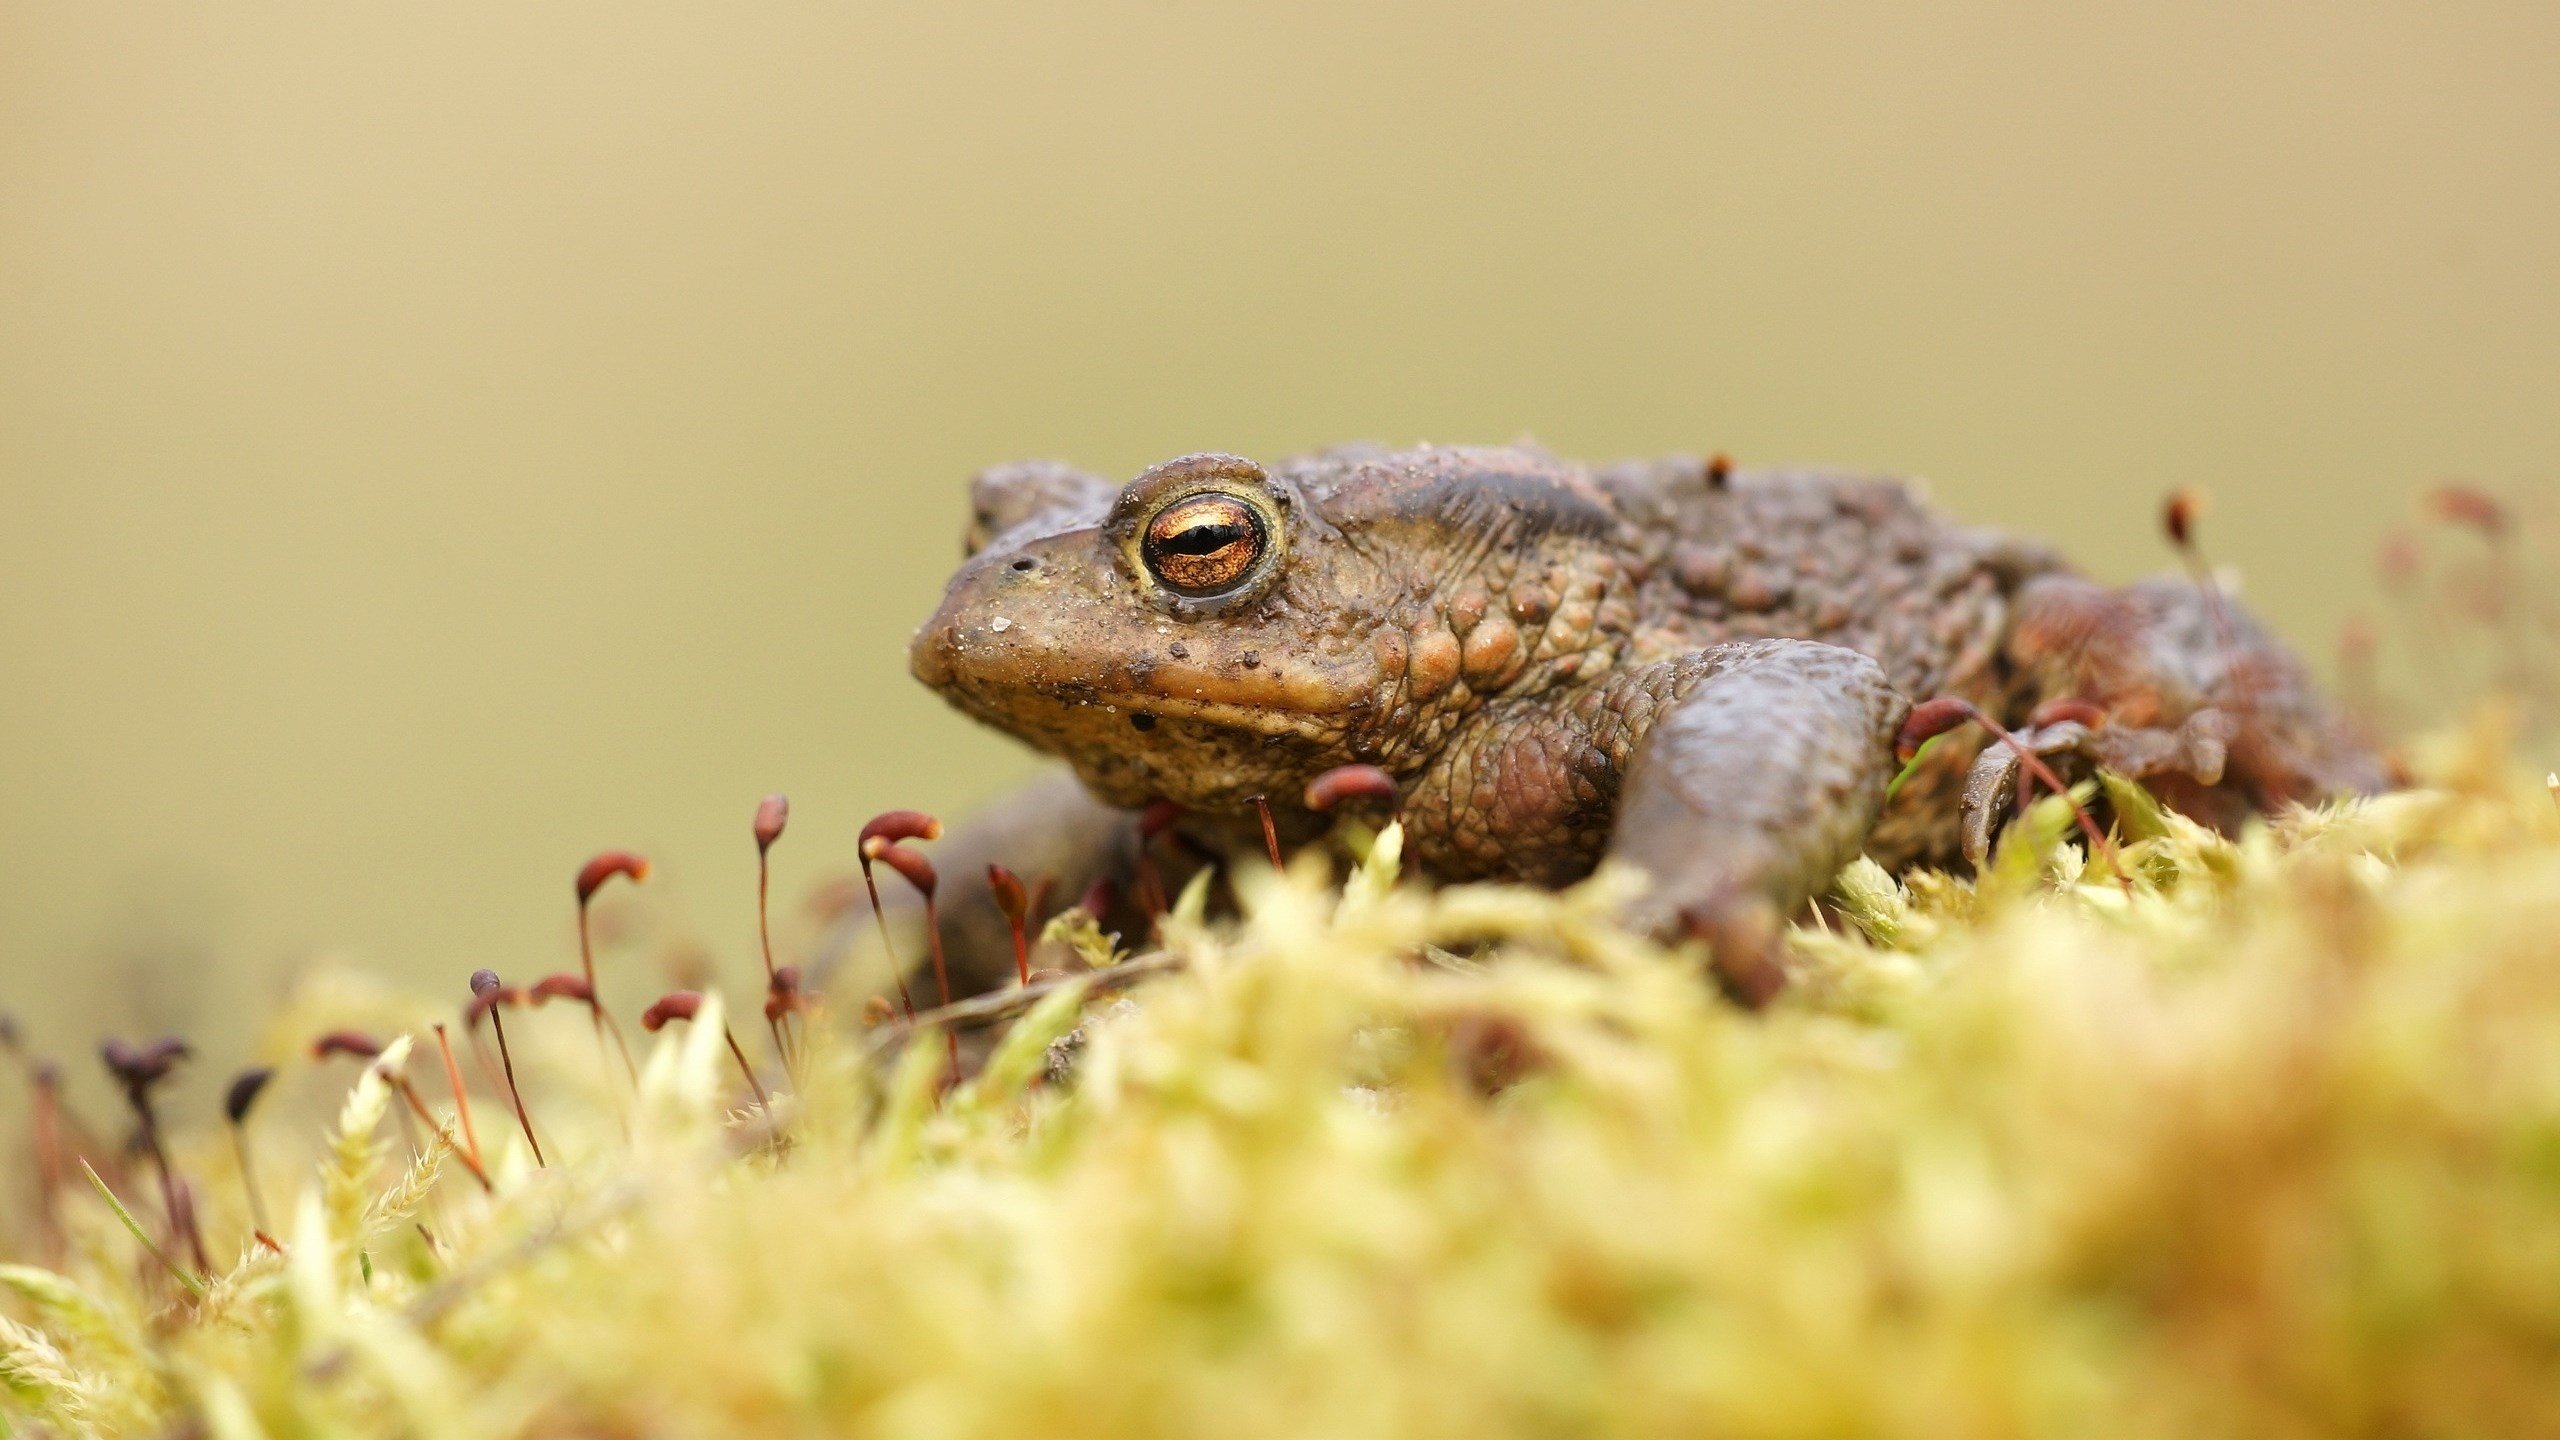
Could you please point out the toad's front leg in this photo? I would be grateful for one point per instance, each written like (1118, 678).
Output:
(1751, 790)
(1738, 779)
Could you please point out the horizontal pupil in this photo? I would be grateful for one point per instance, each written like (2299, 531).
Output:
(1204, 539)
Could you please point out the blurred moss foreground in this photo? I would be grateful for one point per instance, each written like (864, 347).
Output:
(2268, 1145)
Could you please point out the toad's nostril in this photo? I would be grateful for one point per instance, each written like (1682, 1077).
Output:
(1026, 563)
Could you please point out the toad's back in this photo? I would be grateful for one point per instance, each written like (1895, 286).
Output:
(1849, 560)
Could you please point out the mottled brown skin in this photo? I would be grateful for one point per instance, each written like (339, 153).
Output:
(1698, 672)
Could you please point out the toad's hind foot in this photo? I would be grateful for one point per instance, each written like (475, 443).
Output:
(2169, 683)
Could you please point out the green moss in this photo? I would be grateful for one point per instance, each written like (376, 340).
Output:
(2265, 1146)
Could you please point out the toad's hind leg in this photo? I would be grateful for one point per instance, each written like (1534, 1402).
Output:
(1751, 791)
(2176, 686)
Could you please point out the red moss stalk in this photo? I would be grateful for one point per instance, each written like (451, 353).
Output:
(2181, 516)
(461, 1096)
(565, 986)
(47, 1080)
(1099, 899)
(1158, 817)
(1932, 718)
(136, 1072)
(2469, 505)
(781, 1002)
(1015, 903)
(236, 1105)
(2085, 713)
(487, 994)
(437, 1128)
(919, 872)
(1270, 833)
(1351, 782)
(771, 816)
(773, 813)
(2478, 510)
(46, 1125)
(364, 1047)
(686, 1005)
(354, 1043)
(885, 829)
(591, 878)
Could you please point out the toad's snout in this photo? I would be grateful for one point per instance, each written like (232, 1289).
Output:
(1002, 619)
(928, 657)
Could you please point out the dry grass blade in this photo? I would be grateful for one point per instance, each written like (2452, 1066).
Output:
(191, 1282)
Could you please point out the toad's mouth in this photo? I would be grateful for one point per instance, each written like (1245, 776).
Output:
(1103, 714)
(1017, 681)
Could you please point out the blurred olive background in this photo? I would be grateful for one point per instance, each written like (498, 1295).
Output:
(439, 442)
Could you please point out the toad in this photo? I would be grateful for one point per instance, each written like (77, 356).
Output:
(1697, 671)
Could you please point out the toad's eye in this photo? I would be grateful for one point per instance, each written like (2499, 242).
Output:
(1204, 544)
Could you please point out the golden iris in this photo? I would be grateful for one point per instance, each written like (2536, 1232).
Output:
(1203, 545)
